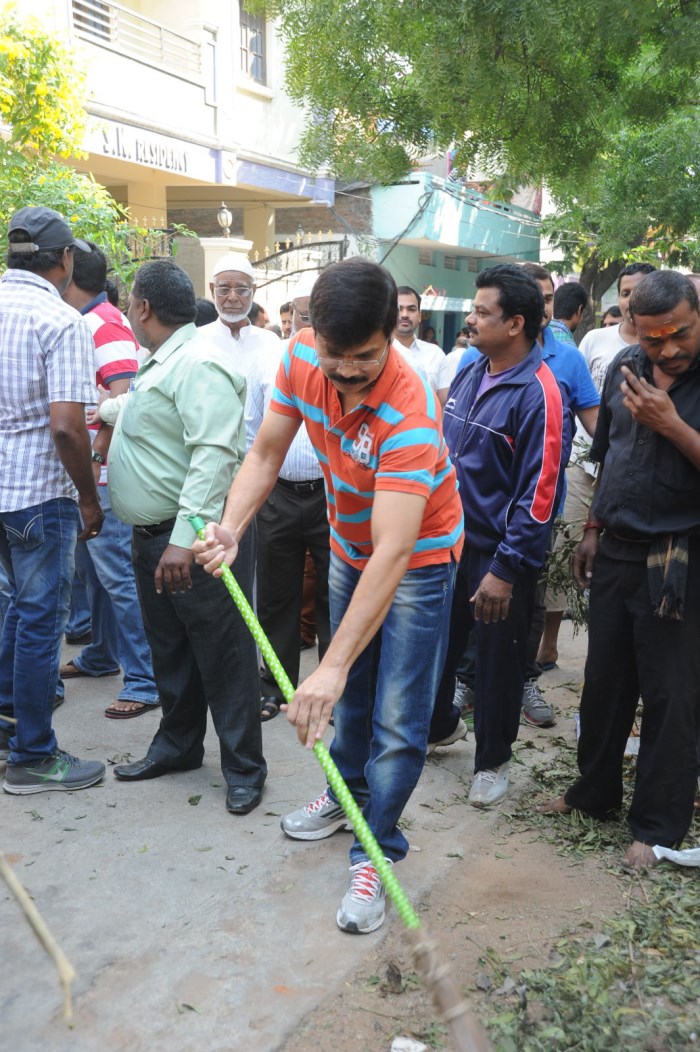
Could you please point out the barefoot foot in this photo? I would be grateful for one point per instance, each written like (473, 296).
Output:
(557, 806)
(639, 856)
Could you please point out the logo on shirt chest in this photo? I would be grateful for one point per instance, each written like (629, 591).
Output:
(361, 451)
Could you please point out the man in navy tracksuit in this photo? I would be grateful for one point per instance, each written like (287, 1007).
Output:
(509, 436)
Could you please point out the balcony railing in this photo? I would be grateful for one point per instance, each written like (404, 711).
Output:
(115, 27)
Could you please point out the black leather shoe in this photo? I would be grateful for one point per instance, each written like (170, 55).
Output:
(241, 799)
(140, 770)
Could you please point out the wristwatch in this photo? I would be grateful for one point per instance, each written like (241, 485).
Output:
(99, 458)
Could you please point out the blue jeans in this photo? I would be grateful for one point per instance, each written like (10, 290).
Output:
(383, 716)
(79, 622)
(37, 551)
(5, 594)
(118, 635)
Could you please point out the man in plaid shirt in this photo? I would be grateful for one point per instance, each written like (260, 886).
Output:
(47, 484)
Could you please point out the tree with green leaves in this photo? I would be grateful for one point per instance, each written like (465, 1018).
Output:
(42, 105)
(643, 203)
(597, 101)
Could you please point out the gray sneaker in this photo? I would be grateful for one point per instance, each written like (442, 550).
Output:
(319, 819)
(60, 771)
(535, 709)
(362, 908)
(464, 700)
(489, 787)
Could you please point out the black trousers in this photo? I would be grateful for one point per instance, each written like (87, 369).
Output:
(631, 651)
(203, 657)
(289, 522)
(500, 663)
(537, 623)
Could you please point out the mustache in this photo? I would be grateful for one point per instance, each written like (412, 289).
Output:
(338, 379)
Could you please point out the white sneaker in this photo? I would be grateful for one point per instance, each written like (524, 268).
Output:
(458, 734)
(362, 908)
(319, 819)
(489, 787)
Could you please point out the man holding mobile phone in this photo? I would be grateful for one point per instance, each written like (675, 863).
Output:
(640, 556)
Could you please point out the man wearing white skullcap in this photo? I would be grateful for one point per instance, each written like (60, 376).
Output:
(233, 289)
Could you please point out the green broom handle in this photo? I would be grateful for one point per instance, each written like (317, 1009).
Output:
(335, 779)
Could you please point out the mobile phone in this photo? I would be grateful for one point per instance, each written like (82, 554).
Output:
(632, 366)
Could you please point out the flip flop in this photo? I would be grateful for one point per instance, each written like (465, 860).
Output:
(269, 709)
(71, 671)
(547, 666)
(128, 714)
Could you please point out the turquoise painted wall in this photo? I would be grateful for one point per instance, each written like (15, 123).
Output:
(450, 214)
(403, 264)
(453, 216)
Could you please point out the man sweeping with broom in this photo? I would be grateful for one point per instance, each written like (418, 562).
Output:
(396, 535)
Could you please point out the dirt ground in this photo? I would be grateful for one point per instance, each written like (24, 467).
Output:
(510, 894)
(513, 897)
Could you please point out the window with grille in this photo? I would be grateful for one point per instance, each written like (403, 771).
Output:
(252, 29)
(452, 263)
(425, 257)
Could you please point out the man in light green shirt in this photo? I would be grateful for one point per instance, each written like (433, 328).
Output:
(178, 440)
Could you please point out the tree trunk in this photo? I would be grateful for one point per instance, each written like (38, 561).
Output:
(596, 278)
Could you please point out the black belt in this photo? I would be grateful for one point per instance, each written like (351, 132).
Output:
(156, 528)
(301, 487)
(637, 539)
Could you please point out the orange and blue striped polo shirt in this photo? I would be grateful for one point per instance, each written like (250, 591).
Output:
(390, 441)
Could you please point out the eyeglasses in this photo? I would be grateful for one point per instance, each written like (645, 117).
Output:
(357, 363)
(243, 291)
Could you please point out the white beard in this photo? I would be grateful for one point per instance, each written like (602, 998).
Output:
(232, 318)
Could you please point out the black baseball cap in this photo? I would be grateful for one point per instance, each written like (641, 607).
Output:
(46, 230)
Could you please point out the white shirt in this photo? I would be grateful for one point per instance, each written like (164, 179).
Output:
(453, 359)
(599, 347)
(429, 362)
(301, 463)
(251, 347)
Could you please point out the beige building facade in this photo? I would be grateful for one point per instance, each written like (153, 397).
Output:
(188, 111)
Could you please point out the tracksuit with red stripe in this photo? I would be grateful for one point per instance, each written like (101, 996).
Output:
(509, 446)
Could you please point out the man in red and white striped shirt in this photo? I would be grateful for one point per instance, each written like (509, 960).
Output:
(118, 637)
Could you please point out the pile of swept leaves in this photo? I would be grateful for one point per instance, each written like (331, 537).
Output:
(632, 982)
